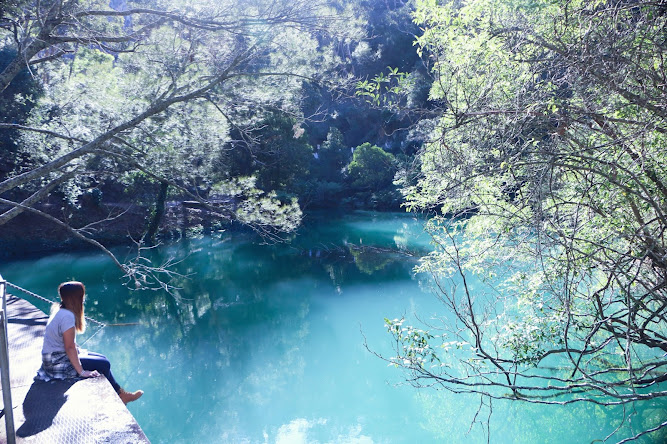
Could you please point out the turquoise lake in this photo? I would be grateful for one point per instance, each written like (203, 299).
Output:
(266, 343)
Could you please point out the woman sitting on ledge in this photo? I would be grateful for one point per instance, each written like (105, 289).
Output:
(61, 358)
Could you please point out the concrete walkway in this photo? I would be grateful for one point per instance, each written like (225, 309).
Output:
(68, 412)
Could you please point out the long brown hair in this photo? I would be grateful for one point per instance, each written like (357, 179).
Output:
(71, 296)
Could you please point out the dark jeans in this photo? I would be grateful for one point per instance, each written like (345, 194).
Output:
(95, 361)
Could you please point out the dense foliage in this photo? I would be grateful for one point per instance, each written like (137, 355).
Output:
(176, 97)
(115, 109)
(147, 92)
(548, 162)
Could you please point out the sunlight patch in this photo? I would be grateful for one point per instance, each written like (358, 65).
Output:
(299, 432)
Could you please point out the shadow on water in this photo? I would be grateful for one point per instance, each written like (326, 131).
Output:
(41, 405)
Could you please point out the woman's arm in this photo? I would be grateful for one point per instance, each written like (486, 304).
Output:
(73, 355)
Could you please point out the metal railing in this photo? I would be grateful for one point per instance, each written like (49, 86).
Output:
(7, 407)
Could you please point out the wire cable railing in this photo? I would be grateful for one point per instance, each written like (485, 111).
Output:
(42, 298)
(100, 325)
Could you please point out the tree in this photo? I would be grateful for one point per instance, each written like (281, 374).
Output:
(282, 155)
(16, 102)
(326, 185)
(332, 157)
(389, 36)
(370, 176)
(371, 168)
(175, 67)
(547, 169)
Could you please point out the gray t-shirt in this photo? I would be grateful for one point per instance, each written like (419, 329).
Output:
(62, 321)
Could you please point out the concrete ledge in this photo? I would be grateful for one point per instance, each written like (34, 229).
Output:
(68, 411)
(71, 411)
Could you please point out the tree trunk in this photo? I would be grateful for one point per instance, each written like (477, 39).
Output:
(158, 213)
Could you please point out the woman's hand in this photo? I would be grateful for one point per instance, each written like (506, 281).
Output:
(89, 374)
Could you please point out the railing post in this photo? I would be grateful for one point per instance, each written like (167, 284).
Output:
(8, 408)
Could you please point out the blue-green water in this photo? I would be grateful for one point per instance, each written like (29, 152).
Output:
(265, 343)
